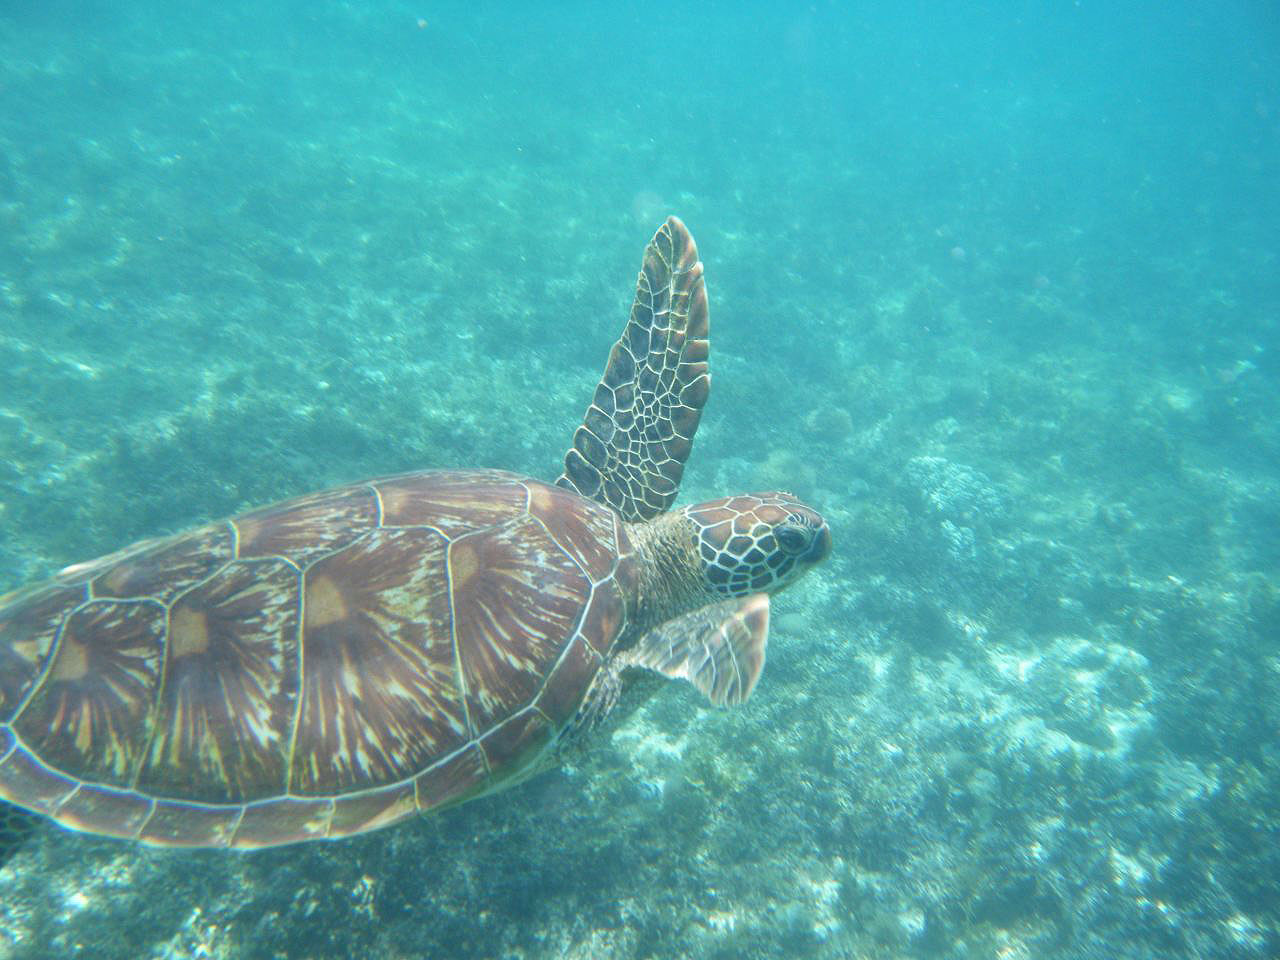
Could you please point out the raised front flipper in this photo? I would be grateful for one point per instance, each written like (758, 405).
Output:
(630, 451)
(718, 648)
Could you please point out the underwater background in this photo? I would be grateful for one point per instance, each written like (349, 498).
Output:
(996, 286)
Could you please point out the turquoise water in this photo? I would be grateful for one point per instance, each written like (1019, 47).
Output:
(996, 288)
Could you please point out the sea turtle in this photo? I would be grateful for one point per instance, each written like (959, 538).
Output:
(338, 662)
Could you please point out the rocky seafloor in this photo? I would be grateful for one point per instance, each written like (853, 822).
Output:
(1018, 713)
(1028, 709)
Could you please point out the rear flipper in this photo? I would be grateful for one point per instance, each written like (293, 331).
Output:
(16, 825)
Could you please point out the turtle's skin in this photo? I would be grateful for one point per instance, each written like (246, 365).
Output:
(335, 663)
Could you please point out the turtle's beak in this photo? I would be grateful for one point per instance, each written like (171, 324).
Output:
(821, 546)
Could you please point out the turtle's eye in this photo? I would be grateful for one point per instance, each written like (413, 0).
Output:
(792, 539)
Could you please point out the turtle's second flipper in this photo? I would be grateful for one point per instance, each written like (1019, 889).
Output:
(16, 825)
(630, 451)
(718, 648)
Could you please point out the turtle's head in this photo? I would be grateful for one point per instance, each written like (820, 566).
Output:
(758, 542)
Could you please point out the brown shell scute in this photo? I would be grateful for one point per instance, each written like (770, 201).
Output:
(516, 598)
(452, 780)
(369, 811)
(317, 668)
(304, 529)
(118, 813)
(563, 690)
(172, 566)
(26, 776)
(91, 713)
(604, 616)
(454, 503)
(189, 825)
(588, 536)
(283, 820)
(231, 674)
(525, 734)
(379, 690)
(28, 628)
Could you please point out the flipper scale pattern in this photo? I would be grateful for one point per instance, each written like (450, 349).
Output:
(630, 451)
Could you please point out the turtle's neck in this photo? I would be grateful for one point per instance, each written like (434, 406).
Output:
(671, 580)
